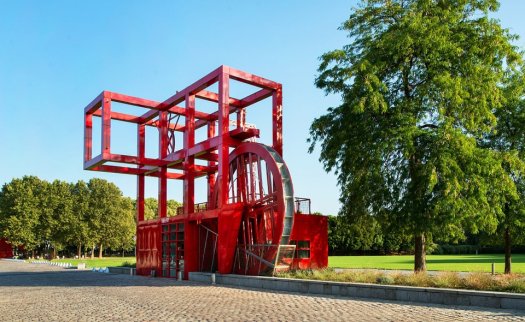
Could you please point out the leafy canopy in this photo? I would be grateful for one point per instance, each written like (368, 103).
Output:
(420, 81)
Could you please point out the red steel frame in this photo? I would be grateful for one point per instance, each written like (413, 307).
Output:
(181, 164)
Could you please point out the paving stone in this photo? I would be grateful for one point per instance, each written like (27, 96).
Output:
(31, 292)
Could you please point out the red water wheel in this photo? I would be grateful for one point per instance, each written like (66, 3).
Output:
(259, 179)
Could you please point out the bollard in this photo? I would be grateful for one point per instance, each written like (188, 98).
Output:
(179, 276)
(213, 278)
(493, 268)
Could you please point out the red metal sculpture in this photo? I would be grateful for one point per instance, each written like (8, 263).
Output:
(249, 223)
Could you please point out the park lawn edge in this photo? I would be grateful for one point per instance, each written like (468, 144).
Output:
(478, 281)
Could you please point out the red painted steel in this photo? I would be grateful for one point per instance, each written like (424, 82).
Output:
(6, 250)
(314, 230)
(203, 237)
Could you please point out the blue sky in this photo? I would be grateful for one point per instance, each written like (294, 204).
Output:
(56, 56)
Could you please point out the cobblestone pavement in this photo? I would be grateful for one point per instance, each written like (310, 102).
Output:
(32, 292)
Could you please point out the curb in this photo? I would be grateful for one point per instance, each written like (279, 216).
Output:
(122, 270)
(443, 296)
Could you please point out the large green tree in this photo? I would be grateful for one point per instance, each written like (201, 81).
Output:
(420, 82)
(21, 203)
(508, 140)
(79, 228)
(57, 217)
(105, 200)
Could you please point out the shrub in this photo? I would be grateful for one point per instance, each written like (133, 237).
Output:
(474, 281)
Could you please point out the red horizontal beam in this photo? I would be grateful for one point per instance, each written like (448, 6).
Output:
(136, 120)
(256, 97)
(214, 97)
(204, 169)
(132, 100)
(209, 214)
(245, 102)
(193, 88)
(96, 161)
(120, 116)
(169, 175)
(135, 160)
(148, 116)
(204, 146)
(94, 105)
(252, 79)
(117, 169)
(210, 156)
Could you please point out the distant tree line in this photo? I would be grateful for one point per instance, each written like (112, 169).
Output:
(48, 217)
(365, 235)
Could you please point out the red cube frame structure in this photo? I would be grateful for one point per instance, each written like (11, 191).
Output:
(252, 209)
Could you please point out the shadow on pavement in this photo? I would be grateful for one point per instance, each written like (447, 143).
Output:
(76, 278)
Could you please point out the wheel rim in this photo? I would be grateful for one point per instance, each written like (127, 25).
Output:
(260, 180)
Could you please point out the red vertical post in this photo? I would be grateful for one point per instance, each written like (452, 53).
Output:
(163, 175)
(224, 145)
(241, 117)
(189, 161)
(141, 151)
(277, 119)
(106, 125)
(211, 176)
(88, 136)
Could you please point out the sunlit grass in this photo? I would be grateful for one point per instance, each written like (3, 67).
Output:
(454, 263)
(103, 262)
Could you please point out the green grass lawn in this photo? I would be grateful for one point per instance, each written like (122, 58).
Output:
(104, 262)
(454, 263)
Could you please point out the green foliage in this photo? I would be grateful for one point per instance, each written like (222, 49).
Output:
(42, 215)
(151, 208)
(455, 249)
(101, 262)
(348, 235)
(21, 210)
(421, 83)
(104, 213)
(473, 281)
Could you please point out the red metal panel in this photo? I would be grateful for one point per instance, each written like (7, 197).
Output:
(230, 219)
(191, 259)
(312, 228)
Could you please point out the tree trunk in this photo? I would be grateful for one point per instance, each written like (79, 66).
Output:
(79, 250)
(508, 245)
(420, 263)
(93, 251)
(33, 254)
(100, 251)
